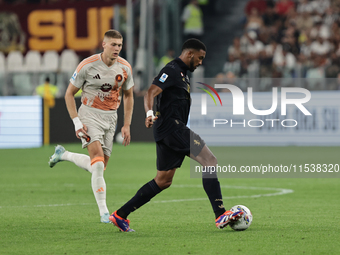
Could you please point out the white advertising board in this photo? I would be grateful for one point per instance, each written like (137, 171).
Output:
(21, 122)
(221, 127)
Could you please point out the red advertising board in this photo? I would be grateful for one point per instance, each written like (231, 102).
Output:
(77, 25)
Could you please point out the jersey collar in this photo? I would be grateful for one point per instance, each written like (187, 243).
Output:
(181, 64)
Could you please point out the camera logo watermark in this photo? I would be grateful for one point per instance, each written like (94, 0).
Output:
(239, 105)
(204, 97)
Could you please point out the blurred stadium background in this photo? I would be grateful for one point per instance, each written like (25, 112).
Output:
(270, 43)
(245, 39)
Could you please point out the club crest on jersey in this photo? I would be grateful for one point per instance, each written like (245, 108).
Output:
(119, 77)
(106, 87)
(163, 77)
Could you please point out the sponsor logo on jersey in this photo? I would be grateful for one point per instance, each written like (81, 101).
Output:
(96, 76)
(119, 77)
(106, 87)
(163, 77)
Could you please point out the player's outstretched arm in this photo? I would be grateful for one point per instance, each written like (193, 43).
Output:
(72, 110)
(128, 109)
(152, 92)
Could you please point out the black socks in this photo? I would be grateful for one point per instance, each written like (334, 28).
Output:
(212, 187)
(143, 195)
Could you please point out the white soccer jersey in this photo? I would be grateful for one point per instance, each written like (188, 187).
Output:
(101, 84)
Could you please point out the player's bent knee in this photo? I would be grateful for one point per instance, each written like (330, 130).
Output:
(212, 160)
(209, 160)
(164, 185)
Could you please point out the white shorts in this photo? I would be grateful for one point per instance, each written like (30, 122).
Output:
(101, 126)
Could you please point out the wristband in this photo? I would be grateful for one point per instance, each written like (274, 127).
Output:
(150, 113)
(77, 124)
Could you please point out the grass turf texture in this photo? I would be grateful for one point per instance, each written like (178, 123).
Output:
(53, 211)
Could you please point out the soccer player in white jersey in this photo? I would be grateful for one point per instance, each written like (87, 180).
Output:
(103, 78)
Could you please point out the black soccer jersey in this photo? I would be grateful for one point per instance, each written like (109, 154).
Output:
(173, 104)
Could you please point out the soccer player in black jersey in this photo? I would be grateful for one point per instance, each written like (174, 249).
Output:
(171, 87)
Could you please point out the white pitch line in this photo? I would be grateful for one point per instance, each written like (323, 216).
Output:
(278, 192)
(51, 205)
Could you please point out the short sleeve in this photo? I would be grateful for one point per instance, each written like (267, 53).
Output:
(78, 77)
(166, 78)
(128, 84)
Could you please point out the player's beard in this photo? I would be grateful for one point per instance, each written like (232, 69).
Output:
(192, 65)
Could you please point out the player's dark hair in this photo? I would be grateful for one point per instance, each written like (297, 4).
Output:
(113, 34)
(194, 44)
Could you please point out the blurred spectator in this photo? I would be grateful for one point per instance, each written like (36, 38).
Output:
(276, 31)
(254, 21)
(320, 47)
(304, 21)
(315, 74)
(306, 49)
(337, 50)
(303, 63)
(330, 17)
(166, 59)
(47, 91)
(235, 49)
(254, 46)
(270, 16)
(303, 37)
(335, 30)
(271, 48)
(291, 35)
(264, 36)
(319, 29)
(207, 7)
(192, 18)
(320, 6)
(333, 69)
(266, 63)
(283, 7)
(244, 66)
(301, 42)
(304, 6)
(293, 44)
(232, 65)
(259, 5)
(284, 61)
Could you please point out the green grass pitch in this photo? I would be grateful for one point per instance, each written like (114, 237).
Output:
(53, 211)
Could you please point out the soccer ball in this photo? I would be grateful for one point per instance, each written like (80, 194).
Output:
(244, 222)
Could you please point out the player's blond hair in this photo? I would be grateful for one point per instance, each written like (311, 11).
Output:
(113, 34)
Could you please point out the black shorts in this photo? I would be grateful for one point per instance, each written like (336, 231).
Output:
(172, 149)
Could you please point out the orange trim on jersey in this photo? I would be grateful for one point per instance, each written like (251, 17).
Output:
(87, 61)
(124, 62)
(125, 74)
(97, 159)
(109, 103)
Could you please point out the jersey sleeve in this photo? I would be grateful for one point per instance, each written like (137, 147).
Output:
(78, 77)
(166, 78)
(128, 84)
